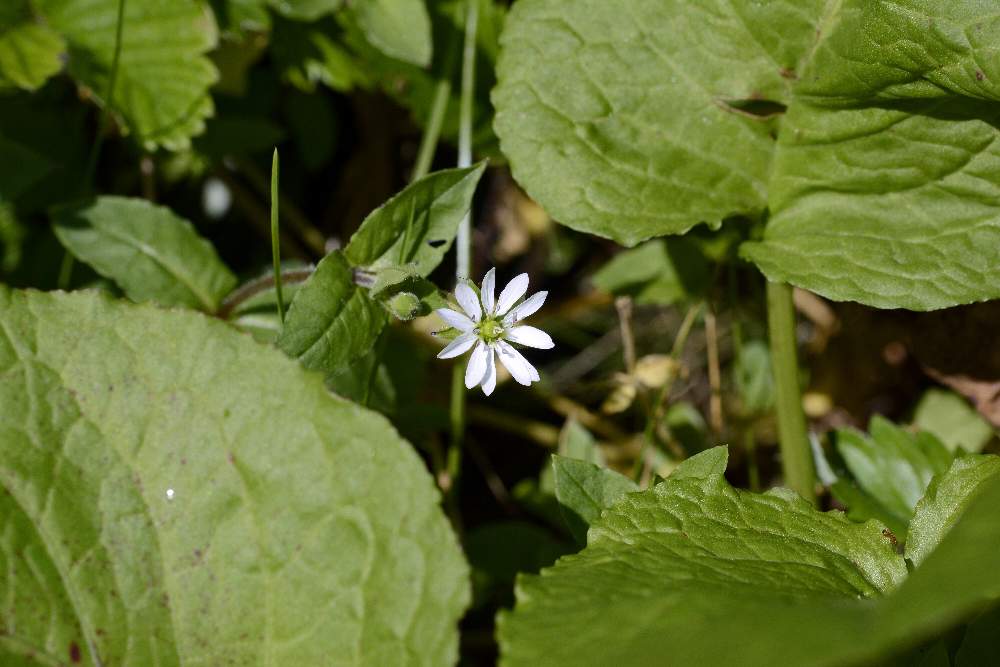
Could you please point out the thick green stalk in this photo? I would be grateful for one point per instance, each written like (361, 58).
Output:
(275, 243)
(796, 458)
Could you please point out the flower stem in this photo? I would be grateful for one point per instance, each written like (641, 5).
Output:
(275, 243)
(796, 459)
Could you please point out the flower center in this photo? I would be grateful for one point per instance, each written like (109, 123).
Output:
(491, 330)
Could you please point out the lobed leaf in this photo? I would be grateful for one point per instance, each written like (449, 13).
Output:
(175, 493)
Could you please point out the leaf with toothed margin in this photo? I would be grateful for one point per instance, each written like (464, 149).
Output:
(161, 90)
(176, 494)
(667, 568)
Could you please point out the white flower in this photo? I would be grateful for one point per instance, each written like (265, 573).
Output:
(488, 325)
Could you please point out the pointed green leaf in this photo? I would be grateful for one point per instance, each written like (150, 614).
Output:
(893, 466)
(331, 322)
(950, 417)
(704, 464)
(584, 490)
(175, 493)
(418, 225)
(668, 568)
(947, 497)
(152, 254)
(161, 91)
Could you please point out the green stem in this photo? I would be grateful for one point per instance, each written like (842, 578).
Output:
(796, 459)
(432, 133)
(106, 114)
(275, 242)
(454, 458)
(464, 239)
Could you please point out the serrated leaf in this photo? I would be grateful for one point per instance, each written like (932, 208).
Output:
(399, 28)
(624, 125)
(696, 572)
(584, 490)
(947, 497)
(893, 466)
(152, 254)
(161, 90)
(417, 226)
(178, 494)
(331, 322)
(30, 52)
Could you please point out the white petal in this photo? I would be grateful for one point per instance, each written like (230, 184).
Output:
(526, 308)
(489, 290)
(490, 379)
(469, 301)
(514, 290)
(455, 319)
(530, 336)
(476, 369)
(519, 368)
(458, 346)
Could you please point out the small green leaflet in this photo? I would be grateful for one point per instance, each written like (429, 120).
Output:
(662, 271)
(694, 571)
(584, 490)
(177, 494)
(152, 254)
(30, 52)
(400, 29)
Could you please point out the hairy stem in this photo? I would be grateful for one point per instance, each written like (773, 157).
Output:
(796, 459)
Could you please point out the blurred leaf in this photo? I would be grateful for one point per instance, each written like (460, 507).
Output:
(331, 322)
(178, 494)
(308, 54)
(947, 497)
(949, 417)
(152, 254)
(399, 28)
(306, 10)
(893, 466)
(161, 91)
(687, 426)
(418, 225)
(663, 271)
(234, 58)
(584, 490)
(753, 377)
(979, 646)
(576, 442)
(790, 585)
(861, 507)
(30, 52)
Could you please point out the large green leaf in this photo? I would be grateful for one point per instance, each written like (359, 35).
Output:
(152, 254)
(331, 322)
(29, 51)
(161, 91)
(178, 494)
(694, 572)
(644, 117)
(418, 225)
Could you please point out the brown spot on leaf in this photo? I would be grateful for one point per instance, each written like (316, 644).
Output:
(980, 76)
(74, 652)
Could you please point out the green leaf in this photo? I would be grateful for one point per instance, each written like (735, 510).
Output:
(417, 226)
(576, 442)
(663, 271)
(893, 466)
(616, 119)
(979, 644)
(152, 254)
(667, 568)
(947, 497)
(892, 207)
(331, 322)
(705, 464)
(881, 186)
(949, 417)
(862, 507)
(306, 10)
(584, 490)
(286, 537)
(753, 378)
(399, 28)
(161, 91)
(30, 52)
